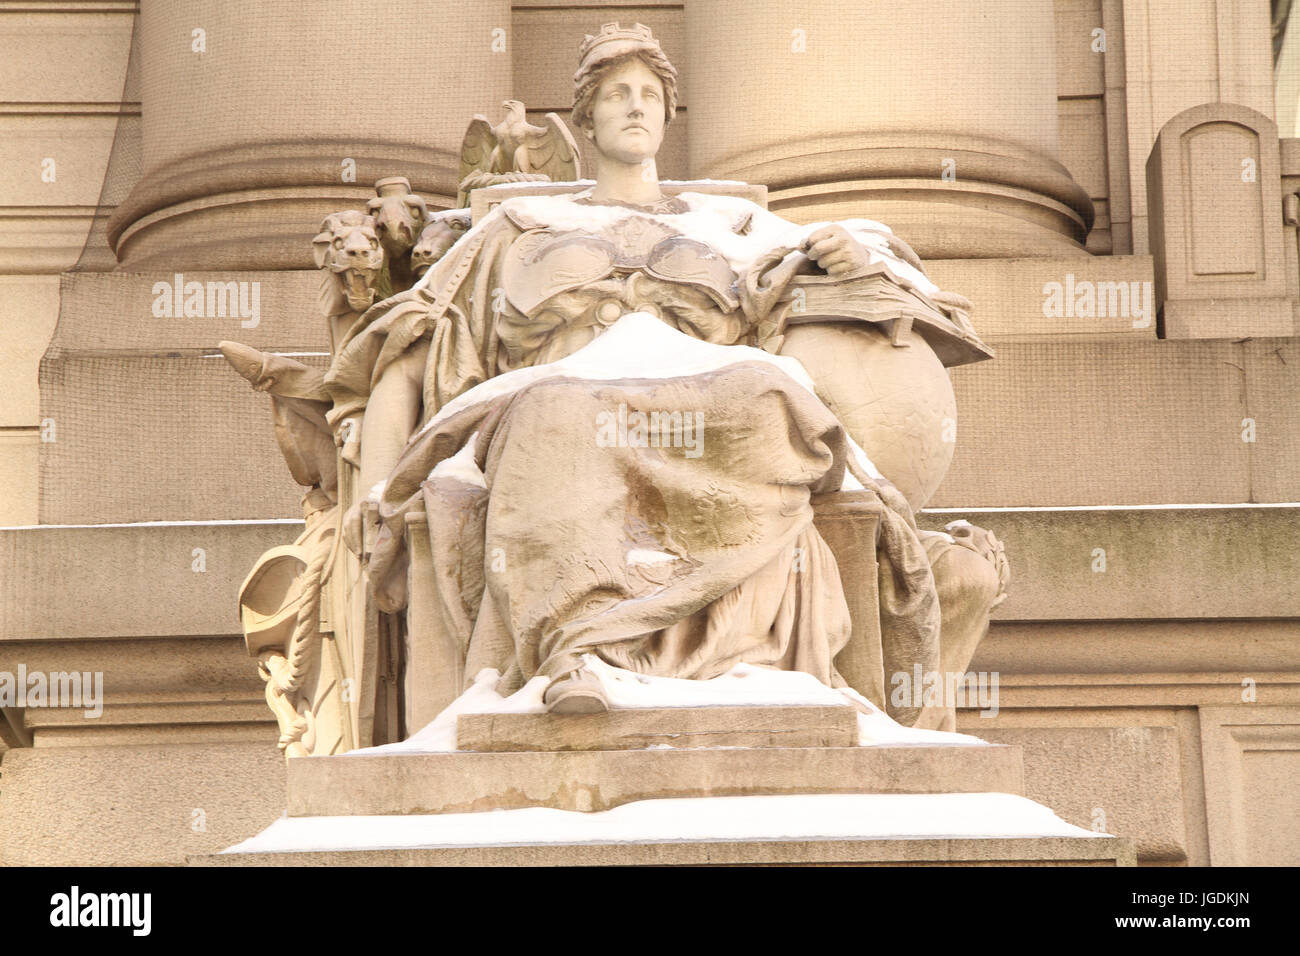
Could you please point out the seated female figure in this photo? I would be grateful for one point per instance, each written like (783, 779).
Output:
(608, 464)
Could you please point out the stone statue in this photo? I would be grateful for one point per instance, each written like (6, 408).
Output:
(440, 233)
(672, 431)
(516, 151)
(399, 218)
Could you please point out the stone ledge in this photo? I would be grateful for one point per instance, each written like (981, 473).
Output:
(353, 785)
(1126, 419)
(678, 727)
(991, 851)
(154, 688)
(1159, 563)
(132, 580)
(1010, 301)
(1110, 412)
(1163, 564)
(104, 312)
(1122, 663)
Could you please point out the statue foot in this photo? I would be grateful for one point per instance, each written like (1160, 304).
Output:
(577, 692)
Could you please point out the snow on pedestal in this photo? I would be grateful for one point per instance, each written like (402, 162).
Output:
(743, 686)
(692, 819)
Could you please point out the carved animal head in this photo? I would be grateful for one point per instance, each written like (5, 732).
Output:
(399, 215)
(982, 542)
(514, 109)
(441, 233)
(348, 246)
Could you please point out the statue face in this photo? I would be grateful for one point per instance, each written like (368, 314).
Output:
(627, 117)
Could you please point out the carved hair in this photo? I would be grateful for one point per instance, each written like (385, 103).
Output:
(586, 82)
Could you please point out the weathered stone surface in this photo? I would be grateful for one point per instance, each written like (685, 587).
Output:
(1145, 563)
(135, 806)
(1119, 421)
(142, 580)
(1170, 662)
(235, 193)
(680, 727)
(836, 142)
(1161, 564)
(1212, 191)
(1045, 851)
(1011, 297)
(1251, 756)
(1120, 780)
(110, 383)
(598, 780)
(1124, 421)
(153, 690)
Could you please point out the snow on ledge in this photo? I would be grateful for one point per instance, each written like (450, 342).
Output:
(876, 816)
(743, 686)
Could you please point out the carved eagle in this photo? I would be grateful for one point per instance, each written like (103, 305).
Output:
(515, 150)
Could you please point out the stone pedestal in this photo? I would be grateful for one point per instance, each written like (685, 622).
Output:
(798, 791)
(1214, 197)
(899, 851)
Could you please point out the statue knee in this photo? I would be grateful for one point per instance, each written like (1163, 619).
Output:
(970, 576)
(964, 580)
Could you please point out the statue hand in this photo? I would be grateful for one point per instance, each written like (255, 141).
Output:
(361, 528)
(347, 437)
(353, 520)
(832, 248)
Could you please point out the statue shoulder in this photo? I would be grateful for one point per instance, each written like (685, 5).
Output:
(539, 212)
(741, 214)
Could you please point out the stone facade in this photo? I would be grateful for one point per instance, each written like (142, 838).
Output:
(1114, 184)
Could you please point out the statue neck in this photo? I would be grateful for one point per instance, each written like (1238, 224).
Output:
(637, 183)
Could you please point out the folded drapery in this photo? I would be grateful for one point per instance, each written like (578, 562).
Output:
(646, 499)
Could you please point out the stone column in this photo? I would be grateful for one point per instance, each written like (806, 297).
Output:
(943, 127)
(262, 118)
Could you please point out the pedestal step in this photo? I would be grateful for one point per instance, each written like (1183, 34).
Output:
(689, 794)
(413, 783)
(676, 727)
(1041, 851)
(806, 829)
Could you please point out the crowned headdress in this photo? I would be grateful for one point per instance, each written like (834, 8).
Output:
(614, 42)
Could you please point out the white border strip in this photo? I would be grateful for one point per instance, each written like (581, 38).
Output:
(1200, 507)
(215, 522)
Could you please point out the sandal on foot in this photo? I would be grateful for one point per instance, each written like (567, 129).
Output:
(577, 692)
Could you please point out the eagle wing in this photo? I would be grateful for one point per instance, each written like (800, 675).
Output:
(476, 148)
(550, 149)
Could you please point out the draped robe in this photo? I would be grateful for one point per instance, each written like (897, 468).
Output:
(549, 543)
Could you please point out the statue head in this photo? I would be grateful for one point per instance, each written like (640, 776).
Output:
(348, 249)
(623, 72)
(399, 215)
